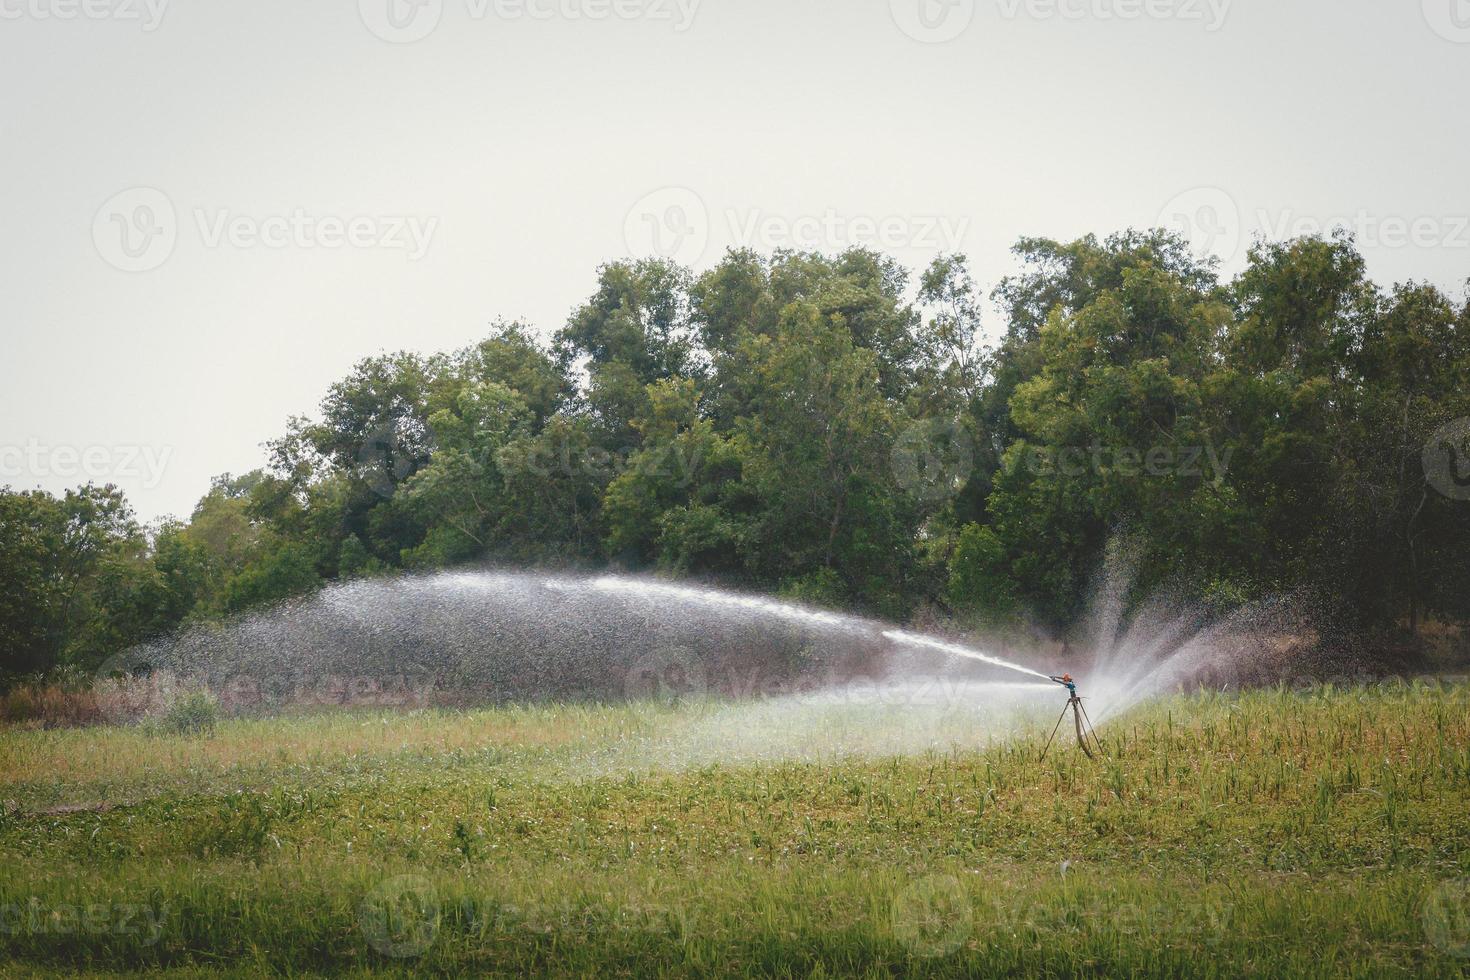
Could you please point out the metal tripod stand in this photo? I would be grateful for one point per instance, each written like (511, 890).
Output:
(1084, 726)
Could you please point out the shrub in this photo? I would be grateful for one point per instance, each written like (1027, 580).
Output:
(191, 713)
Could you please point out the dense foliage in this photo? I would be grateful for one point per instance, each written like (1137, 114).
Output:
(825, 427)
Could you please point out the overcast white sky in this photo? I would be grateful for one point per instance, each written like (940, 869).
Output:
(212, 210)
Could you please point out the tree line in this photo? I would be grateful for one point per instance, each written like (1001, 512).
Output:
(831, 428)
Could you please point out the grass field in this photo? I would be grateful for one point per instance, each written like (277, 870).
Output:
(1266, 834)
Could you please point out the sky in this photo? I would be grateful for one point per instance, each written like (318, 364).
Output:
(212, 211)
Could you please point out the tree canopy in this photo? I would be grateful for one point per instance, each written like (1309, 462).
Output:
(832, 428)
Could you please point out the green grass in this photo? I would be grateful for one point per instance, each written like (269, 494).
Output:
(1268, 834)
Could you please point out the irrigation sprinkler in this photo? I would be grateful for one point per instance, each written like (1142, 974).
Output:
(1082, 723)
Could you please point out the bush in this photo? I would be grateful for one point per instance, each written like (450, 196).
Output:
(191, 713)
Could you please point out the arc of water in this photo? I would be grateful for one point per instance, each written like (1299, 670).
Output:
(784, 610)
(955, 650)
(709, 597)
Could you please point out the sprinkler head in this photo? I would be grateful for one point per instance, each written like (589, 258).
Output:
(1080, 721)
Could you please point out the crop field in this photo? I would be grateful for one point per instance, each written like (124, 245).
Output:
(1272, 833)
